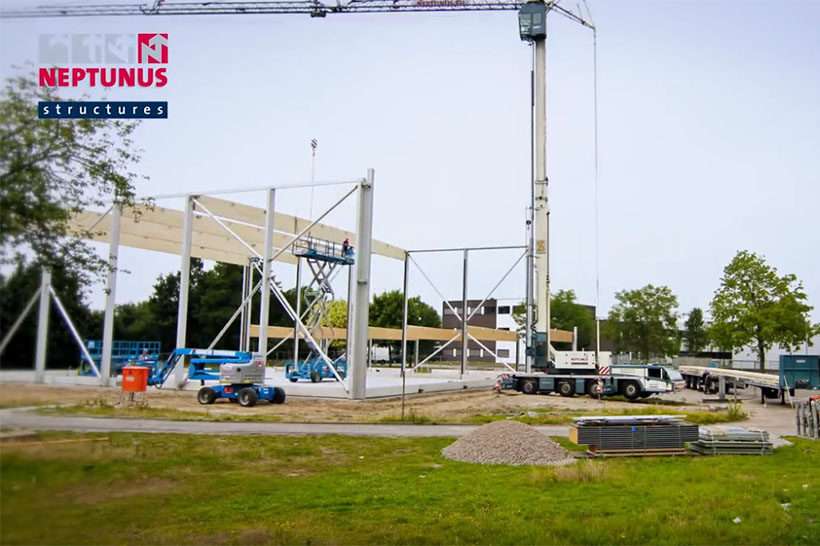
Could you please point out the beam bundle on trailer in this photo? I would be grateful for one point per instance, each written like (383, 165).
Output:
(422, 333)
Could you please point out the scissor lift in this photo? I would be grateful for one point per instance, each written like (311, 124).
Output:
(324, 259)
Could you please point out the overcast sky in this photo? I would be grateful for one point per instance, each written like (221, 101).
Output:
(709, 135)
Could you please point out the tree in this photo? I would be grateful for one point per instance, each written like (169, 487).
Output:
(695, 332)
(644, 322)
(566, 313)
(756, 307)
(386, 311)
(52, 169)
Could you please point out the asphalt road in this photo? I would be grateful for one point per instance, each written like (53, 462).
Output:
(18, 418)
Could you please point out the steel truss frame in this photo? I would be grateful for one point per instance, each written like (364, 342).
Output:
(463, 316)
(46, 294)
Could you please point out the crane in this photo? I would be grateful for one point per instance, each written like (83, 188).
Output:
(532, 29)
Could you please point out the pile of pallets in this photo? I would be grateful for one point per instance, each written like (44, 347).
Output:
(634, 435)
(732, 441)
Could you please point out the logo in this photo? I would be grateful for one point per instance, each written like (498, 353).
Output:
(153, 48)
(104, 60)
(107, 61)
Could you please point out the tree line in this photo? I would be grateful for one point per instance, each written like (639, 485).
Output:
(214, 295)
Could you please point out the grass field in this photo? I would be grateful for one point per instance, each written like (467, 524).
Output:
(535, 416)
(178, 489)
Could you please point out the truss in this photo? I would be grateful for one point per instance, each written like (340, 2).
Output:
(305, 7)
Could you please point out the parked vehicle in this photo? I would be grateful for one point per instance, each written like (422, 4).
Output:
(632, 381)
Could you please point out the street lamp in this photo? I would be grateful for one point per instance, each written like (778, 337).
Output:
(532, 21)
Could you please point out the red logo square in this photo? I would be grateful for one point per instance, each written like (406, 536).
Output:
(152, 48)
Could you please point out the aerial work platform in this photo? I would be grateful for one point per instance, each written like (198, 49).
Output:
(324, 251)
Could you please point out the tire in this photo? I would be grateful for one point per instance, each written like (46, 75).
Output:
(278, 395)
(315, 377)
(247, 397)
(631, 390)
(529, 386)
(205, 396)
(293, 379)
(594, 389)
(566, 389)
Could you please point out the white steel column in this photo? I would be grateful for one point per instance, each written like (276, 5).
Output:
(298, 311)
(264, 308)
(184, 284)
(361, 307)
(110, 296)
(542, 266)
(243, 314)
(42, 328)
(465, 317)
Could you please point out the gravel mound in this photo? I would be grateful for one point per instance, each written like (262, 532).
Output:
(507, 442)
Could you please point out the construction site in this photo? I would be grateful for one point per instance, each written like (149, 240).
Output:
(200, 319)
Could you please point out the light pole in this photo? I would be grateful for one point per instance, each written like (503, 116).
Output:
(532, 26)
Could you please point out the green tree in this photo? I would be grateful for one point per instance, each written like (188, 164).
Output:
(757, 307)
(51, 169)
(566, 313)
(695, 331)
(643, 321)
(386, 311)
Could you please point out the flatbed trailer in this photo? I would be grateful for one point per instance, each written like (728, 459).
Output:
(708, 380)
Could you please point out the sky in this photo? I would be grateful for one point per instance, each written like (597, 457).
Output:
(709, 136)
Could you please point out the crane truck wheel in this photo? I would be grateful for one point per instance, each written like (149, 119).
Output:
(315, 377)
(278, 395)
(528, 387)
(206, 395)
(565, 388)
(632, 391)
(247, 397)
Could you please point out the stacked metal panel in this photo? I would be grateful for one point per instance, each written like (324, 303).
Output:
(634, 434)
(732, 441)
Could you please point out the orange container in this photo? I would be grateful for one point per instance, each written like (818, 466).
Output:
(134, 379)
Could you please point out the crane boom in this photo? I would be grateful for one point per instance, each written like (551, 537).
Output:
(313, 8)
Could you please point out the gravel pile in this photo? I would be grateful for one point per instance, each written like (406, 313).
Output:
(507, 442)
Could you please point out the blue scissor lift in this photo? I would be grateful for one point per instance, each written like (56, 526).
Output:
(324, 258)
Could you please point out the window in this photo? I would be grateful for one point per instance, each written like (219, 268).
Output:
(489, 309)
(481, 353)
(454, 353)
(503, 309)
(655, 373)
(503, 353)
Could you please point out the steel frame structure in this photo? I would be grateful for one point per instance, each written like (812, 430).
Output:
(465, 316)
(46, 294)
(198, 207)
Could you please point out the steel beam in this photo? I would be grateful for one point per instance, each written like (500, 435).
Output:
(42, 328)
(184, 287)
(264, 308)
(464, 316)
(364, 234)
(110, 297)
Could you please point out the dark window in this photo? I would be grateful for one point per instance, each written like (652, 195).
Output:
(503, 353)
(656, 373)
(489, 309)
(503, 309)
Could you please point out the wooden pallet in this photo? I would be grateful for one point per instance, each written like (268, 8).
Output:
(660, 452)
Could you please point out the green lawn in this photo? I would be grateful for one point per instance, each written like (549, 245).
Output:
(535, 416)
(178, 489)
